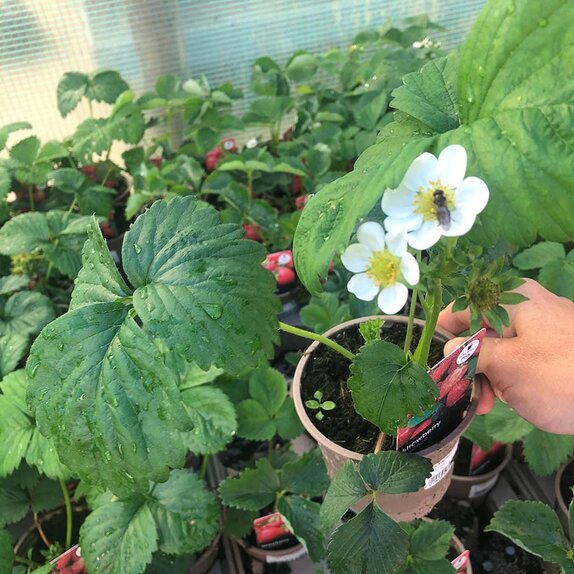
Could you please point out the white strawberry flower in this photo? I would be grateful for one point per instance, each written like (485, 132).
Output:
(383, 267)
(434, 198)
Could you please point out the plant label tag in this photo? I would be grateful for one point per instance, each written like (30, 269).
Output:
(461, 561)
(70, 562)
(271, 533)
(454, 377)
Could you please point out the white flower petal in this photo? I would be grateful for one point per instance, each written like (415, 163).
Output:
(410, 269)
(423, 170)
(398, 202)
(393, 298)
(356, 257)
(397, 242)
(460, 223)
(409, 223)
(363, 287)
(472, 195)
(372, 235)
(425, 237)
(452, 165)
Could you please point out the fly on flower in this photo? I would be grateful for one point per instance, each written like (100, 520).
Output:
(382, 265)
(434, 198)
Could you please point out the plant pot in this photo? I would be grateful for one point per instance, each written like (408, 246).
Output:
(272, 556)
(207, 559)
(400, 507)
(475, 488)
(563, 482)
(459, 547)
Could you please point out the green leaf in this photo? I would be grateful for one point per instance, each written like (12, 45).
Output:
(478, 433)
(6, 552)
(8, 129)
(539, 255)
(213, 418)
(106, 86)
(504, 425)
(346, 489)
(268, 387)
(25, 313)
(509, 298)
(288, 423)
(430, 96)
(71, 89)
(67, 179)
(186, 514)
(301, 67)
(302, 517)
(370, 113)
(318, 162)
(254, 422)
(558, 276)
(545, 452)
(533, 526)
(11, 283)
(194, 377)
(26, 150)
(5, 182)
(307, 475)
(387, 388)
(393, 472)
(102, 392)
(431, 540)
(20, 438)
(14, 503)
(254, 489)
(324, 311)
(268, 109)
(238, 522)
(234, 323)
(119, 537)
(12, 350)
(92, 136)
(369, 542)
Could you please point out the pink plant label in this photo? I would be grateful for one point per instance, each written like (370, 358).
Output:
(454, 377)
(70, 562)
(461, 561)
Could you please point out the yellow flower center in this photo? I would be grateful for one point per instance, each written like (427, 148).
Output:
(384, 268)
(425, 200)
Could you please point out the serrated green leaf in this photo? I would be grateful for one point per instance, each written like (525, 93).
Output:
(478, 433)
(370, 113)
(558, 276)
(533, 526)
(101, 391)
(106, 86)
(368, 542)
(51, 151)
(318, 162)
(119, 538)
(91, 136)
(431, 540)
(268, 109)
(235, 325)
(20, 438)
(213, 417)
(301, 67)
(12, 350)
(346, 489)
(324, 311)
(5, 182)
(6, 552)
(6, 130)
(254, 422)
(238, 522)
(387, 388)
(12, 283)
(539, 255)
(186, 514)
(504, 425)
(25, 313)
(302, 518)
(307, 475)
(268, 387)
(67, 179)
(71, 89)
(511, 298)
(26, 150)
(393, 472)
(253, 489)
(287, 422)
(194, 376)
(14, 503)
(545, 452)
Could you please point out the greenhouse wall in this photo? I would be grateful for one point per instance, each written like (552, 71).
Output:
(42, 39)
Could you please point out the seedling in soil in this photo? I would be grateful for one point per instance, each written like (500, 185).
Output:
(316, 404)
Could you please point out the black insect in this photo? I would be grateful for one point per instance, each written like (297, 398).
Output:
(442, 211)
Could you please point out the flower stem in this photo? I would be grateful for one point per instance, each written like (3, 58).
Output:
(315, 337)
(41, 531)
(422, 351)
(68, 505)
(410, 324)
(380, 442)
(204, 462)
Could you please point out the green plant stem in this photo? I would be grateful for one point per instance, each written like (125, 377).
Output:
(152, 489)
(68, 504)
(422, 351)
(410, 324)
(315, 337)
(22, 560)
(41, 531)
(48, 272)
(72, 205)
(204, 462)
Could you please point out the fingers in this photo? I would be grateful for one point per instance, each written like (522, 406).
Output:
(454, 322)
(491, 349)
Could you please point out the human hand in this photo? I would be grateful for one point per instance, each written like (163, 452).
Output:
(530, 367)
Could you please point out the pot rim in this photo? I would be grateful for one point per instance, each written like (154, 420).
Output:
(480, 478)
(322, 439)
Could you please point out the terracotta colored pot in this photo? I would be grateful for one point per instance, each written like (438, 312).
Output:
(272, 556)
(400, 507)
(561, 506)
(475, 488)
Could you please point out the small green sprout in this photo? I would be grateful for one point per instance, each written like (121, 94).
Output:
(316, 404)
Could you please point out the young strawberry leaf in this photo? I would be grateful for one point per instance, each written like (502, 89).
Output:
(430, 540)
(386, 387)
(12, 350)
(120, 536)
(302, 518)
(25, 313)
(306, 475)
(6, 552)
(545, 452)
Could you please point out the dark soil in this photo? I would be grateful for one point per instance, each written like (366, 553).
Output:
(462, 460)
(462, 516)
(241, 452)
(328, 371)
(566, 484)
